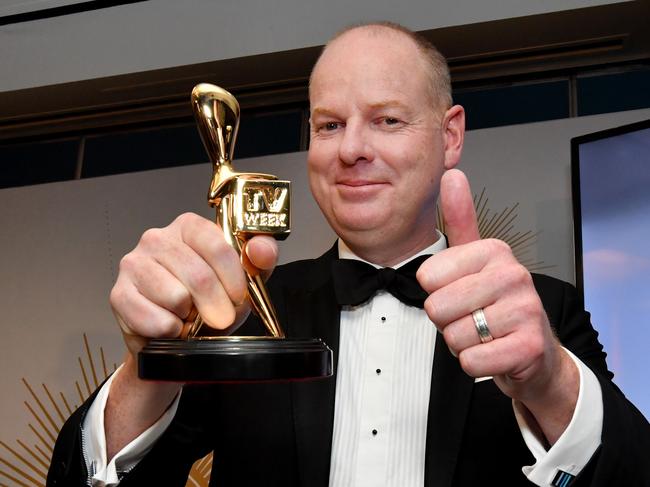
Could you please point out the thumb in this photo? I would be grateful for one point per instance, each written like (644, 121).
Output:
(260, 254)
(457, 206)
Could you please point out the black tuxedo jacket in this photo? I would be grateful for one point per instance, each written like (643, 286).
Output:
(281, 434)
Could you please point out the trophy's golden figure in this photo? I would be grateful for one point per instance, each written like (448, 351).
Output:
(247, 204)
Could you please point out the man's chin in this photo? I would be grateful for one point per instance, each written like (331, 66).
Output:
(359, 226)
(357, 220)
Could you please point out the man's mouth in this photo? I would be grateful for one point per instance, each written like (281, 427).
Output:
(359, 189)
(358, 182)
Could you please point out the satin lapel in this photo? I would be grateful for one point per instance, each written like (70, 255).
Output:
(315, 313)
(451, 391)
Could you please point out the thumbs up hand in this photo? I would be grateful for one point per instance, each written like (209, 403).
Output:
(521, 352)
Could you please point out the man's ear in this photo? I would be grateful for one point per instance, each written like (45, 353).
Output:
(453, 127)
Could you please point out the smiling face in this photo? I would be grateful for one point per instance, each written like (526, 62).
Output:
(378, 143)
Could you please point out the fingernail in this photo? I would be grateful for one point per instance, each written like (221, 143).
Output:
(246, 250)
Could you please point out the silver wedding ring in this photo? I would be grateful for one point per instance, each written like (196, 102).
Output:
(481, 326)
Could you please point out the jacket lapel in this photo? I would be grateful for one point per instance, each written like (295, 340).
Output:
(314, 313)
(451, 391)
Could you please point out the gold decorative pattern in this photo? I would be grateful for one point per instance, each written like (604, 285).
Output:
(501, 225)
(26, 465)
(200, 473)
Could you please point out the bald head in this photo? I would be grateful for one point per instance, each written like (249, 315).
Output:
(432, 62)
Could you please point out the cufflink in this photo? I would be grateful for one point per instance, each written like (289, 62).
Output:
(563, 479)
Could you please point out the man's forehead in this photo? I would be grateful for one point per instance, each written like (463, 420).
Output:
(367, 37)
(372, 33)
(364, 49)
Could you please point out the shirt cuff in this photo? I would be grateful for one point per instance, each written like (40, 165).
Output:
(580, 439)
(101, 473)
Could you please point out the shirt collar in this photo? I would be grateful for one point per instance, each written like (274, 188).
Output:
(434, 248)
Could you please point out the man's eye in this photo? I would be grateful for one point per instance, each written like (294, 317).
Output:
(331, 126)
(391, 121)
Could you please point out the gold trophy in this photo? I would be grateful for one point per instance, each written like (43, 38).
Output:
(247, 204)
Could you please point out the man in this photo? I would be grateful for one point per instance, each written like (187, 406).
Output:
(402, 411)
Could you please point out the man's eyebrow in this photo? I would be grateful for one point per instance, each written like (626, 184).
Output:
(387, 104)
(318, 111)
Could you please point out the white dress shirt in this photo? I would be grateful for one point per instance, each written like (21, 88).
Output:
(381, 405)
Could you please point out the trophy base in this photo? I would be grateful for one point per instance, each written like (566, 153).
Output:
(235, 359)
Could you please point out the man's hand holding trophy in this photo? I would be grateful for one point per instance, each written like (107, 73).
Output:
(247, 204)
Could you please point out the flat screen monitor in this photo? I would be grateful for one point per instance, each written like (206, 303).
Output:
(611, 201)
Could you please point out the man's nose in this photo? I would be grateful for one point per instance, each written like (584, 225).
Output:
(355, 145)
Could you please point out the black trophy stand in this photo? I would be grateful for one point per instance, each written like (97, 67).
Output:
(235, 359)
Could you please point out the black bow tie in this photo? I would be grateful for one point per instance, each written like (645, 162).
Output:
(355, 282)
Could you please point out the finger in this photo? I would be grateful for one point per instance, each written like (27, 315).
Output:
(462, 334)
(206, 239)
(157, 284)
(457, 206)
(512, 355)
(260, 254)
(242, 311)
(263, 252)
(463, 294)
(202, 275)
(209, 295)
(454, 263)
(139, 316)
(458, 299)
